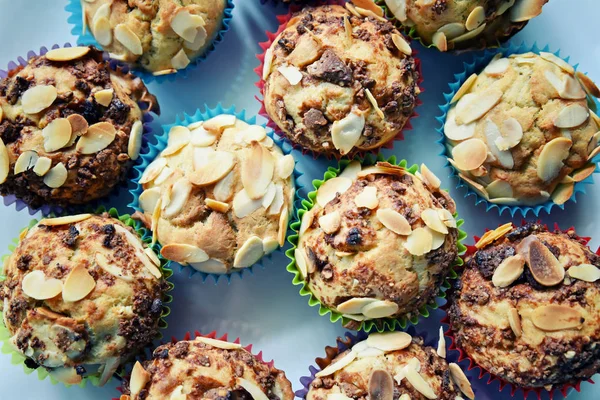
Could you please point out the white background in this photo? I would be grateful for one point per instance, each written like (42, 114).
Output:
(265, 308)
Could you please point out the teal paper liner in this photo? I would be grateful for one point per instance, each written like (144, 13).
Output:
(479, 62)
(146, 236)
(381, 324)
(161, 143)
(73, 8)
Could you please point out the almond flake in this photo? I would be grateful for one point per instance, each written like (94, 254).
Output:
(394, 221)
(26, 161)
(469, 35)
(98, 137)
(593, 154)
(554, 317)
(307, 220)
(369, 5)
(330, 223)
(514, 320)
(491, 236)
(389, 341)
(253, 133)
(440, 41)
(153, 170)
(66, 375)
(499, 189)
(79, 126)
(479, 106)
(102, 31)
(269, 196)
(470, 154)
(249, 254)
(346, 132)
(258, 166)
(559, 62)
(330, 188)
(152, 256)
(550, 161)
(66, 220)
(397, 8)
(571, 116)
(138, 380)
(452, 30)
(563, 192)
(458, 132)
(267, 63)
(337, 365)
(285, 166)
(419, 242)
(179, 137)
(220, 344)
(524, 10)
(512, 133)
(210, 266)
(223, 190)
(37, 286)
(38, 98)
(401, 44)
(382, 168)
(103, 263)
(129, 39)
(544, 266)
(78, 284)
(589, 86)
(348, 30)
(155, 218)
(301, 263)
(211, 167)
(185, 24)
(57, 176)
(373, 102)
(201, 137)
(572, 89)
(464, 88)
(42, 165)
(475, 18)
(459, 377)
(217, 205)
(218, 123)
(432, 181)
(104, 97)
(180, 60)
(432, 219)
(369, 352)
(56, 134)
(417, 382)
(291, 73)
(183, 253)
(583, 173)
(367, 198)
(354, 305)
(255, 391)
(509, 270)
(164, 72)
(67, 53)
(380, 309)
(584, 272)
(441, 347)
(493, 135)
(179, 196)
(283, 226)
(497, 67)
(243, 205)
(135, 140)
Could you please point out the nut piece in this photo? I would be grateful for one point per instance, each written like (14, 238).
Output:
(179, 137)
(556, 317)
(478, 106)
(26, 161)
(367, 198)
(129, 39)
(497, 67)
(491, 236)
(37, 286)
(330, 223)
(589, 86)
(551, 158)
(464, 88)
(102, 31)
(432, 219)
(285, 166)
(330, 188)
(559, 62)
(67, 53)
(524, 10)
(211, 166)
(394, 221)
(401, 44)
(180, 194)
(291, 73)
(337, 365)
(69, 219)
(258, 166)
(38, 98)
(186, 25)
(459, 377)
(180, 60)
(220, 344)
(57, 176)
(56, 134)
(250, 252)
(217, 205)
(79, 283)
(267, 63)
(512, 133)
(389, 341)
(373, 102)
(255, 391)
(544, 266)
(218, 123)
(515, 321)
(104, 97)
(380, 309)
(475, 18)
(42, 166)
(135, 140)
(419, 242)
(509, 270)
(458, 132)
(381, 385)
(354, 305)
(79, 126)
(584, 272)
(441, 347)
(440, 41)
(452, 30)
(301, 263)
(563, 192)
(571, 116)
(417, 381)
(98, 137)
(183, 253)
(139, 378)
(346, 132)
(470, 154)
(153, 170)
(243, 205)
(429, 178)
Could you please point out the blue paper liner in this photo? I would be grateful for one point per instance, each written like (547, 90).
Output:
(53, 209)
(76, 19)
(351, 338)
(161, 142)
(479, 62)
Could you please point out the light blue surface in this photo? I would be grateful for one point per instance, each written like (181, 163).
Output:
(265, 308)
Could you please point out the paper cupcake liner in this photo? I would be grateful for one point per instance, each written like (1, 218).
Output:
(480, 372)
(188, 336)
(86, 38)
(479, 62)
(146, 120)
(382, 324)
(345, 342)
(260, 84)
(17, 358)
(159, 145)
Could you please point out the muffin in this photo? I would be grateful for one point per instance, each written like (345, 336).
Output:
(521, 132)
(338, 82)
(525, 307)
(378, 242)
(385, 366)
(219, 196)
(70, 127)
(464, 24)
(206, 368)
(159, 36)
(81, 295)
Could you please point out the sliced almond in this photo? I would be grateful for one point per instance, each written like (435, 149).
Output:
(464, 88)
(79, 283)
(337, 365)
(373, 102)
(497, 67)
(593, 154)
(212, 167)
(584, 272)
(267, 63)
(469, 35)
(475, 18)
(152, 256)
(252, 133)
(559, 62)
(509, 270)
(138, 380)
(301, 263)
(369, 5)
(306, 51)
(69, 219)
(524, 10)
(555, 317)
(354, 305)
(129, 39)
(180, 60)
(346, 132)
(380, 309)
(479, 106)
(491, 236)
(258, 166)
(57, 176)
(550, 161)
(285, 166)
(417, 382)
(499, 189)
(452, 30)
(42, 166)
(447, 218)
(210, 266)
(571, 116)
(201, 137)
(250, 252)
(217, 205)
(369, 13)
(26, 161)
(401, 44)
(179, 137)
(278, 201)
(381, 385)
(589, 86)
(512, 133)
(382, 168)
(102, 31)
(104, 97)
(330, 223)
(153, 170)
(419, 242)
(135, 140)
(367, 198)
(223, 190)
(307, 220)
(397, 8)
(470, 154)
(493, 135)
(183, 253)
(459, 377)
(283, 226)
(67, 53)
(269, 196)
(330, 188)
(394, 221)
(38, 98)
(457, 132)
(37, 286)
(440, 41)
(56, 134)
(155, 218)
(291, 73)
(478, 188)
(218, 123)
(572, 90)
(544, 266)
(66, 375)
(429, 178)
(514, 320)
(185, 24)
(179, 196)
(389, 341)
(441, 347)
(255, 391)
(243, 205)
(563, 192)
(220, 344)
(98, 137)
(432, 219)
(79, 125)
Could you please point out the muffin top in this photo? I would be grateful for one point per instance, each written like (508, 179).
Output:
(80, 292)
(527, 306)
(464, 24)
(69, 127)
(338, 82)
(219, 196)
(378, 242)
(390, 365)
(161, 36)
(206, 368)
(521, 132)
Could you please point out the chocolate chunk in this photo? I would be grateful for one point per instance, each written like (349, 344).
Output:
(90, 112)
(80, 370)
(15, 90)
(10, 131)
(331, 68)
(161, 353)
(71, 237)
(488, 259)
(354, 238)
(327, 272)
(109, 231)
(286, 44)
(180, 350)
(117, 111)
(314, 119)
(524, 230)
(23, 262)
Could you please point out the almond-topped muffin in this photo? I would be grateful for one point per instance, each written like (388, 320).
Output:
(521, 132)
(526, 308)
(206, 368)
(464, 24)
(70, 127)
(338, 82)
(378, 243)
(82, 294)
(161, 36)
(219, 196)
(391, 365)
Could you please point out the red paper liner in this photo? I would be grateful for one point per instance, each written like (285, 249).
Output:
(462, 355)
(211, 335)
(260, 84)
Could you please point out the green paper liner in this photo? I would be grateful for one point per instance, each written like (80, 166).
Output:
(18, 358)
(381, 324)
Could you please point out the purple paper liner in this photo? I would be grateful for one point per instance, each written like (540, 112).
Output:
(147, 119)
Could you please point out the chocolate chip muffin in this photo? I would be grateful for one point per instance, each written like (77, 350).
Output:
(378, 243)
(526, 307)
(521, 132)
(390, 365)
(160, 36)
(339, 82)
(464, 24)
(70, 127)
(206, 368)
(82, 294)
(219, 196)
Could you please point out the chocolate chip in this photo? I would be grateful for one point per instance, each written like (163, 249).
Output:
(80, 370)
(161, 353)
(117, 111)
(23, 262)
(314, 119)
(354, 238)
(331, 68)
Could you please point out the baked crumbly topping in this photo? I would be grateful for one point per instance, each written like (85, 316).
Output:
(219, 196)
(69, 127)
(339, 82)
(378, 242)
(521, 132)
(206, 369)
(526, 306)
(161, 36)
(464, 24)
(81, 292)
